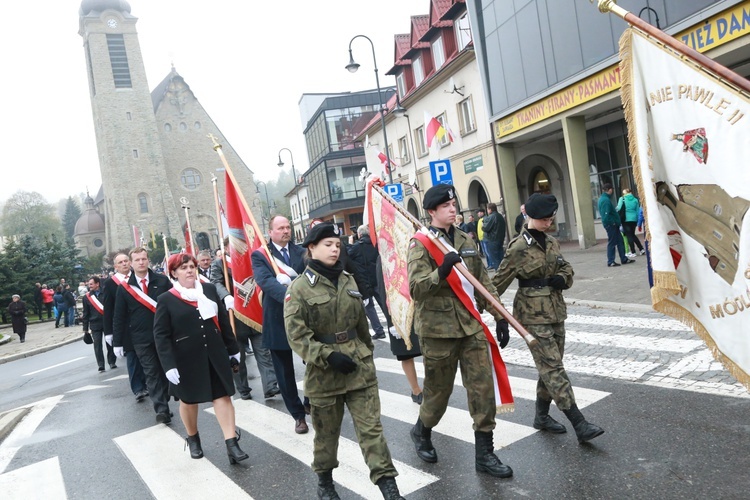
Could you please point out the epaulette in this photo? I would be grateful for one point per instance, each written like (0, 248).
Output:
(311, 277)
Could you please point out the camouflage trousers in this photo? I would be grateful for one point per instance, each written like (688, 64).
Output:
(441, 359)
(553, 383)
(364, 407)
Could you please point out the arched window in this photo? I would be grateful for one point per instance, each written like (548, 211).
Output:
(143, 203)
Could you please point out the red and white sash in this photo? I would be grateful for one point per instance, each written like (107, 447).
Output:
(120, 278)
(283, 267)
(95, 303)
(465, 293)
(140, 297)
(194, 303)
(203, 279)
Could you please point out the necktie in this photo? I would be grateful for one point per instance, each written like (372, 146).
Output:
(285, 254)
(144, 286)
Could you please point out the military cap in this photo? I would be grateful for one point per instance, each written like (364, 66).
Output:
(541, 206)
(320, 231)
(438, 195)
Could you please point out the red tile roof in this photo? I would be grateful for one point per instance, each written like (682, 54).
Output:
(437, 9)
(455, 7)
(419, 26)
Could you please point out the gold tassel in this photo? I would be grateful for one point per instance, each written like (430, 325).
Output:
(506, 408)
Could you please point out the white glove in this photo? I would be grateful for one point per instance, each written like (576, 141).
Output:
(108, 339)
(392, 330)
(235, 356)
(283, 279)
(173, 376)
(229, 302)
(366, 302)
(119, 351)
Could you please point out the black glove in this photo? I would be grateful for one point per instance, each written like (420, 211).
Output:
(341, 363)
(502, 333)
(557, 282)
(449, 260)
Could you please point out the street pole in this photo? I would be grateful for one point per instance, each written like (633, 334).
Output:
(352, 67)
(296, 187)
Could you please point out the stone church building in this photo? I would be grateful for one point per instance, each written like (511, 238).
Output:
(154, 152)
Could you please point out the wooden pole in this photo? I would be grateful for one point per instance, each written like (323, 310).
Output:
(227, 284)
(729, 76)
(461, 268)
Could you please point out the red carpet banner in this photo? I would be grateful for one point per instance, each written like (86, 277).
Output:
(391, 232)
(688, 136)
(243, 240)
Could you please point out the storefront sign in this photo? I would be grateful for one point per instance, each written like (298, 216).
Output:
(712, 33)
(473, 164)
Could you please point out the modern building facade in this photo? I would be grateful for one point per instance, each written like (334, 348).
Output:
(332, 188)
(436, 76)
(550, 73)
(154, 153)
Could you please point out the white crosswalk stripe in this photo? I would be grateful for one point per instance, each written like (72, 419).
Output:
(157, 455)
(42, 480)
(25, 429)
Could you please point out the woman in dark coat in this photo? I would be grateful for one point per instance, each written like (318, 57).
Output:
(195, 344)
(17, 310)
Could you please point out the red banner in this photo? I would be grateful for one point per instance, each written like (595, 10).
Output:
(243, 240)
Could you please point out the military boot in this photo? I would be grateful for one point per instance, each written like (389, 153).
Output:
(584, 430)
(389, 489)
(326, 491)
(543, 421)
(486, 460)
(422, 437)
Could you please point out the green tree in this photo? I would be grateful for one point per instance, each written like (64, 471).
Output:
(28, 213)
(156, 252)
(70, 217)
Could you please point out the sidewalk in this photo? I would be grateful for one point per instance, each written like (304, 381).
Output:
(622, 288)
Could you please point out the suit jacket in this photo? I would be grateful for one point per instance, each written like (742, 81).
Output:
(186, 341)
(107, 298)
(274, 332)
(91, 318)
(217, 278)
(133, 324)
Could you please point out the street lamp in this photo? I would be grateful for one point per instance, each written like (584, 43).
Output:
(296, 186)
(352, 67)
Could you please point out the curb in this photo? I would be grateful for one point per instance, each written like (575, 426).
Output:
(38, 350)
(10, 419)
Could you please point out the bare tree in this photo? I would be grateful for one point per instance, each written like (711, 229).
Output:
(28, 213)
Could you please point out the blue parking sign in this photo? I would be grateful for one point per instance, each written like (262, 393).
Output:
(440, 171)
(395, 191)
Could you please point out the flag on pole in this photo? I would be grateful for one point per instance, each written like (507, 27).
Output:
(384, 160)
(243, 240)
(188, 243)
(223, 216)
(137, 236)
(433, 129)
(695, 204)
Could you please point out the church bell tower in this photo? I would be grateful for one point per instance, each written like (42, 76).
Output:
(134, 178)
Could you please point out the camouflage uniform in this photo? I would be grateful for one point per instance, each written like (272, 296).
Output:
(314, 307)
(449, 334)
(541, 309)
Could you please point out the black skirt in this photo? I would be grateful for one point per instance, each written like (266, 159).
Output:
(217, 388)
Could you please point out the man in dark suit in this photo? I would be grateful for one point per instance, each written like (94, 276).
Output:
(133, 327)
(204, 265)
(291, 258)
(93, 321)
(245, 336)
(109, 293)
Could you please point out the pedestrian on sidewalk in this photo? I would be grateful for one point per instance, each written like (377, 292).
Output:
(48, 299)
(632, 213)
(17, 310)
(195, 343)
(326, 325)
(611, 223)
(534, 259)
(60, 307)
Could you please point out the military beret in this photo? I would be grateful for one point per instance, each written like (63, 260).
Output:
(541, 206)
(438, 195)
(320, 231)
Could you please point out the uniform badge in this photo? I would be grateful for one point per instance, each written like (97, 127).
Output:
(450, 194)
(335, 229)
(288, 297)
(311, 277)
(529, 239)
(412, 244)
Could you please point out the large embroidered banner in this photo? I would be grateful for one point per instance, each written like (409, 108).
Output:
(688, 140)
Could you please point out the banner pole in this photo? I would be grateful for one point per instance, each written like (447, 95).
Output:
(259, 234)
(223, 251)
(461, 268)
(607, 6)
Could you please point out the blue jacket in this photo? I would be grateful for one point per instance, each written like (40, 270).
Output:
(607, 211)
(274, 332)
(632, 206)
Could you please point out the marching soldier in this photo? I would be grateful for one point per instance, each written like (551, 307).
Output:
(326, 325)
(534, 259)
(449, 334)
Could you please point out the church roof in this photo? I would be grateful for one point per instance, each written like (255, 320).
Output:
(157, 95)
(90, 222)
(88, 6)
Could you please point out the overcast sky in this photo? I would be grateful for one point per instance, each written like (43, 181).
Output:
(248, 63)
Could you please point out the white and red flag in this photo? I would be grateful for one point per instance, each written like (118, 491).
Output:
(435, 131)
(695, 204)
(244, 238)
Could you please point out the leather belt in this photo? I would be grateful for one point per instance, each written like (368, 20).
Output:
(337, 338)
(533, 283)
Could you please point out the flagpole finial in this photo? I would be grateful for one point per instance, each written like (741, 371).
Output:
(213, 179)
(607, 6)
(217, 146)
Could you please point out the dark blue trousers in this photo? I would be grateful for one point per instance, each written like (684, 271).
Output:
(283, 365)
